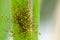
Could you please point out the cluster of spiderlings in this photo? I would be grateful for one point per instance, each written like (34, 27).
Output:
(22, 17)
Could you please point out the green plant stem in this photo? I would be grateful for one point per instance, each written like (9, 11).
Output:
(21, 18)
